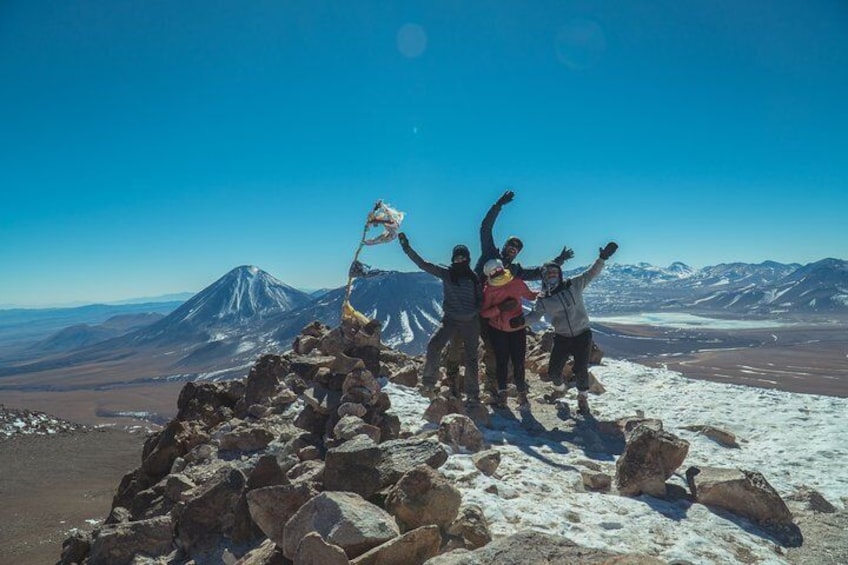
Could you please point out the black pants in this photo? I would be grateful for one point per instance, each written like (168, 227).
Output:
(580, 346)
(509, 346)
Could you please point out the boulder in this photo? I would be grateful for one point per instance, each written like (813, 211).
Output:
(440, 407)
(322, 400)
(263, 378)
(212, 512)
(389, 425)
(487, 461)
(315, 329)
(162, 448)
(459, 431)
(622, 428)
(120, 543)
(311, 420)
(412, 548)
(650, 457)
(304, 344)
(471, 526)
(252, 438)
(306, 366)
(351, 426)
(593, 480)
(364, 467)
(721, 437)
(344, 519)
(271, 507)
(177, 485)
(352, 467)
(744, 493)
(812, 500)
(313, 550)
(266, 554)
(406, 375)
(423, 497)
(523, 548)
(352, 409)
(206, 401)
(75, 548)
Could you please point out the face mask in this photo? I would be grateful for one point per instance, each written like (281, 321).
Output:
(551, 281)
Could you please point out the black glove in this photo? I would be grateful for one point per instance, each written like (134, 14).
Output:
(564, 256)
(508, 304)
(516, 322)
(609, 250)
(404, 242)
(506, 198)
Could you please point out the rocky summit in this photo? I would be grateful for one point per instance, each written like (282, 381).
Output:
(304, 461)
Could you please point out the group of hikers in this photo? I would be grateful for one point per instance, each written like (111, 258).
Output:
(486, 303)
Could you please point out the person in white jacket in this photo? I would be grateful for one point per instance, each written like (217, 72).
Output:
(561, 304)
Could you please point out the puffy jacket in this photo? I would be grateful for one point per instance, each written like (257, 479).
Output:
(494, 295)
(564, 308)
(460, 301)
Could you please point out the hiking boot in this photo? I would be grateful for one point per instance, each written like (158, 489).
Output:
(500, 401)
(583, 405)
(523, 402)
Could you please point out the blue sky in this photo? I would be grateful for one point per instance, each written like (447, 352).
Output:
(149, 147)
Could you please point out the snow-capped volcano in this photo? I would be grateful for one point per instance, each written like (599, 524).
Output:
(244, 296)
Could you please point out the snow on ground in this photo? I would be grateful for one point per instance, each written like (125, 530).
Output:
(792, 439)
(688, 321)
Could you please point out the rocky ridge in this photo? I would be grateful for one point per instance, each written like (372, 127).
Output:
(303, 461)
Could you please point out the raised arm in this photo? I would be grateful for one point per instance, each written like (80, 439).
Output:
(584, 278)
(536, 273)
(487, 240)
(425, 266)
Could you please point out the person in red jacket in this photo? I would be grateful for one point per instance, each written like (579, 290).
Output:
(502, 296)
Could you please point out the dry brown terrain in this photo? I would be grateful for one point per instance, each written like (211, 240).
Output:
(51, 484)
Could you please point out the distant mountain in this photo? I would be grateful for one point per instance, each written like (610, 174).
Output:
(815, 288)
(85, 335)
(173, 297)
(242, 298)
(408, 304)
(21, 327)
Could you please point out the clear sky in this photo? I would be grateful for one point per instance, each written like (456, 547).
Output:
(149, 147)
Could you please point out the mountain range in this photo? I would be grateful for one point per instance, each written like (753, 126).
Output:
(247, 312)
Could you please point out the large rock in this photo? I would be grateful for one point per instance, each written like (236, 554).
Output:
(524, 548)
(161, 449)
(251, 438)
(406, 375)
(440, 407)
(487, 462)
(306, 366)
(271, 507)
(313, 550)
(75, 548)
(263, 378)
(423, 497)
(812, 500)
(344, 519)
(120, 543)
(363, 467)
(212, 513)
(459, 431)
(351, 426)
(211, 403)
(721, 437)
(353, 467)
(745, 493)
(412, 548)
(650, 457)
(266, 554)
(471, 527)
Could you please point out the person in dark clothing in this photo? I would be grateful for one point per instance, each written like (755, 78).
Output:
(561, 304)
(463, 297)
(507, 255)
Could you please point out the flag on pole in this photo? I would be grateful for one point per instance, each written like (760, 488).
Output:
(382, 215)
(386, 216)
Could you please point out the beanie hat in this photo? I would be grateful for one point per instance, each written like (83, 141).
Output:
(460, 251)
(493, 267)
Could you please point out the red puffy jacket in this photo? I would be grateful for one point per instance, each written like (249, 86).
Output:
(494, 295)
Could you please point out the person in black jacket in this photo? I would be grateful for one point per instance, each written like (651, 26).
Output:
(507, 254)
(461, 306)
